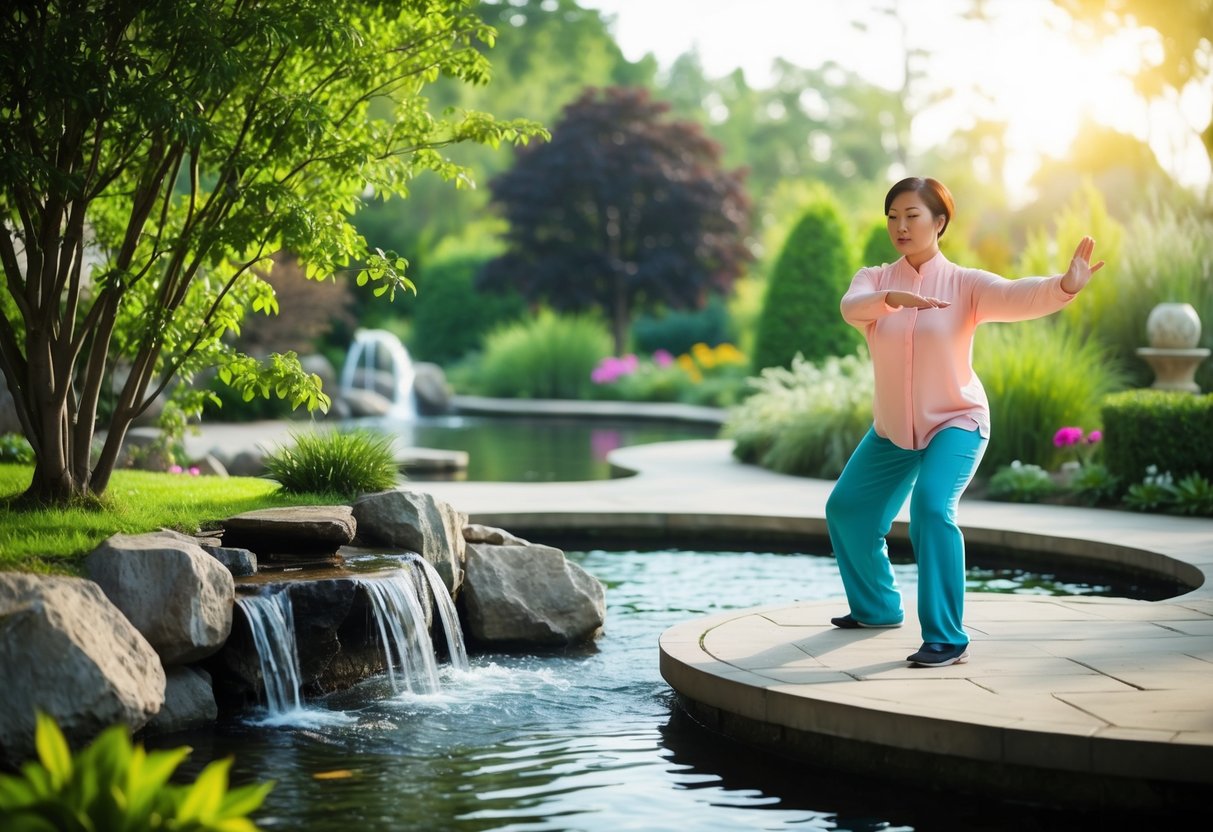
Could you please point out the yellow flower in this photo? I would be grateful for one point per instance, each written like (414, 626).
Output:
(690, 368)
(704, 356)
(729, 354)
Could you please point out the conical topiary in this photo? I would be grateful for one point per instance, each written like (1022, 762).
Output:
(800, 312)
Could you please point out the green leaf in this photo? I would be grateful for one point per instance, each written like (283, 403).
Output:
(245, 800)
(53, 750)
(203, 799)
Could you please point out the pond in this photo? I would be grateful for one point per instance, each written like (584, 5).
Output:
(534, 449)
(588, 739)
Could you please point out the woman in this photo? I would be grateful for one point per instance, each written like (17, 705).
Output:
(931, 418)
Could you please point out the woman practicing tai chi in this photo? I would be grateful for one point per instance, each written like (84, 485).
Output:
(931, 418)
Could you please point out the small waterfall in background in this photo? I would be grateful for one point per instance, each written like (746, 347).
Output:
(272, 623)
(371, 349)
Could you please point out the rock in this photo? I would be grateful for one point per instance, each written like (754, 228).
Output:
(189, 702)
(416, 521)
(362, 403)
(529, 595)
(209, 466)
(283, 536)
(476, 533)
(240, 562)
(431, 392)
(319, 365)
(176, 594)
(67, 650)
(245, 463)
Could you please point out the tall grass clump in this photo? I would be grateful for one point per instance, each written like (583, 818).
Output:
(1039, 376)
(345, 463)
(549, 357)
(1170, 261)
(806, 419)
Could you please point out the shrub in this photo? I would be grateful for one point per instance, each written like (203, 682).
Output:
(550, 357)
(451, 316)
(15, 448)
(1020, 483)
(113, 784)
(1094, 485)
(805, 420)
(1155, 492)
(800, 312)
(1194, 495)
(1170, 429)
(1038, 375)
(335, 462)
(878, 248)
(677, 332)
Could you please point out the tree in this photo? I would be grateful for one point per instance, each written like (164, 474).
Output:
(1185, 30)
(800, 311)
(622, 211)
(152, 154)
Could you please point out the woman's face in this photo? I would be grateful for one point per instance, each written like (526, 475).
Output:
(913, 229)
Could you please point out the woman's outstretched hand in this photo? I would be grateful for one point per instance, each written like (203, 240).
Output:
(1079, 274)
(895, 298)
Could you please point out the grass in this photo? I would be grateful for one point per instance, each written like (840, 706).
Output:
(56, 540)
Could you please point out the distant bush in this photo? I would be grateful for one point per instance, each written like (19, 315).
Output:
(15, 448)
(878, 248)
(1039, 375)
(451, 316)
(676, 332)
(806, 419)
(548, 357)
(335, 462)
(800, 312)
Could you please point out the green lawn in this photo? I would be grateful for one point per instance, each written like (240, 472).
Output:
(57, 540)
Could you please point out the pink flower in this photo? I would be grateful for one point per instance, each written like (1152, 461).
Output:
(174, 469)
(611, 369)
(1065, 437)
(663, 358)
(194, 471)
(1094, 437)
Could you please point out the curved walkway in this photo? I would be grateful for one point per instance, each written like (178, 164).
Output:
(1080, 701)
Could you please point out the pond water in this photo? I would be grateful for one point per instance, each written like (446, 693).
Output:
(588, 739)
(534, 449)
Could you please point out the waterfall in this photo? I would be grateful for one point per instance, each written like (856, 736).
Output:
(370, 347)
(446, 611)
(400, 619)
(272, 623)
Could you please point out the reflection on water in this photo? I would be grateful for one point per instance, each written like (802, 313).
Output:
(585, 739)
(530, 449)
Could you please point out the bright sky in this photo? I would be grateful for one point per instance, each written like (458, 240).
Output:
(1025, 68)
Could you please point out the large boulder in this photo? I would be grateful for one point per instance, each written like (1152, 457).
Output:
(175, 593)
(67, 650)
(431, 392)
(529, 595)
(414, 520)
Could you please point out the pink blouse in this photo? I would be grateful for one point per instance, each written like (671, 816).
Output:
(923, 358)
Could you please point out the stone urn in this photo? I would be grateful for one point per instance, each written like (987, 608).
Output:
(1173, 330)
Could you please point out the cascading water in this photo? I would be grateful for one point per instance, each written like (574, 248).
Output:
(446, 610)
(400, 619)
(272, 623)
(371, 347)
(398, 612)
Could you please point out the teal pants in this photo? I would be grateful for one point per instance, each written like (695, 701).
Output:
(867, 498)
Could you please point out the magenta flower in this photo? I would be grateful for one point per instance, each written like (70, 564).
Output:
(195, 471)
(1065, 437)
(611, 369)
(1094, 436)
(663, 358)
(174, 469)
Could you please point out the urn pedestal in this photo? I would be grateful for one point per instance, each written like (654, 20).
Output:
(1173, 330)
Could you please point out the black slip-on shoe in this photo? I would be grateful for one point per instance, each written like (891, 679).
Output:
(939, 655)
(848, 622)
